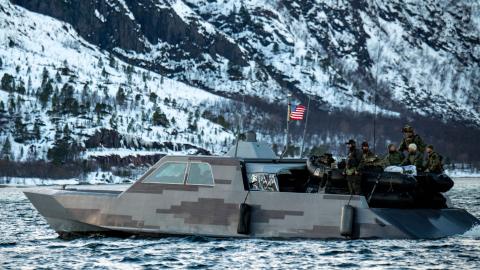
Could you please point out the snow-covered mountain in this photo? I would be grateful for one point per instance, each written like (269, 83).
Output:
(54, 80)
(112, 64)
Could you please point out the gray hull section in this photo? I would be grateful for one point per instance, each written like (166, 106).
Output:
(266, 222)
(429, 223)
(167, 209)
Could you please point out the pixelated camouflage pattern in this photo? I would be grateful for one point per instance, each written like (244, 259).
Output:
(169, 209)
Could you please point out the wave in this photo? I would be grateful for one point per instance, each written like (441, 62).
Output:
(474, 232)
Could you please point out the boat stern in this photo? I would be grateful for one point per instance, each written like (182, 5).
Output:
(428, 223)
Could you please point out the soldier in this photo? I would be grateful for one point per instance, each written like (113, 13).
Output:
(368, 157)
(414, 157)
(393, 157)
(409, 137)
(351, 168)
(434, 161)
(366, 153)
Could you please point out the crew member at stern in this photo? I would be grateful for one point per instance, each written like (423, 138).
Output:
(434, 161)
(351, 169)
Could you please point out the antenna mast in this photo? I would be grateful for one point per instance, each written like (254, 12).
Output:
(239, 122)
(287, 139)
(305, 127)
(375, 99)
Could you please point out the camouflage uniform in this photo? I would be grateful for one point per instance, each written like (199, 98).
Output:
(434, 163)
(351, 170)
(393, 159)
(414, 159)
(368, 158)
(414, 139)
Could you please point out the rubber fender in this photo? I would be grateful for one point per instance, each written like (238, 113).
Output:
(244, 219)
(346, 220)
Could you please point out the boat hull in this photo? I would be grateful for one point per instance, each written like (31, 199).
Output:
(95, 213)
(158, 209)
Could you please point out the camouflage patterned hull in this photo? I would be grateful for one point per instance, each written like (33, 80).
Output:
(156, 209)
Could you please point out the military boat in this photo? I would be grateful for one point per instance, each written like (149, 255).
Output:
(251, 192)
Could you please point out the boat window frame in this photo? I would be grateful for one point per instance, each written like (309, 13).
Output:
(188, 174)
(187, 167)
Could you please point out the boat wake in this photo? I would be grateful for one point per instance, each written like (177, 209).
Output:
(474, 232)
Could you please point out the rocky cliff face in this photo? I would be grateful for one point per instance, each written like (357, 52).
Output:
(418, 60)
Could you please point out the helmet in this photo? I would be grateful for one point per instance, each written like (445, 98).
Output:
(407, 128)
(351, 141)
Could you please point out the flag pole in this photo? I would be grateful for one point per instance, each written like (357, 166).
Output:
(287, 140)
(305, 127)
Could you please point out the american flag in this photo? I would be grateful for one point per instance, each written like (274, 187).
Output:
(297, 112)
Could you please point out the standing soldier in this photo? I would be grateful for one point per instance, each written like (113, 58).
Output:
(351, 169)
(434, 161)
(368, 157)
(366, 153)
(410, 137)
(393, 157)
(414, 157)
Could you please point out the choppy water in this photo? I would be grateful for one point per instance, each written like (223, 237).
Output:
(27, 242)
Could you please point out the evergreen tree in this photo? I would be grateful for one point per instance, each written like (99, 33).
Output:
(100, 62)
(4, 118)
(275, 47)
(104, 73)
(11, 104)
(36, 133)
(29, 84)
(65, 149)
(8, 83)
(153, 97)
(32, 153)
(58, 77)
(193, 126)
(101, 108)
(129, 71)
(45, 76)
(112, 63)
(6, 153)
(68, 102)
(245, 15)
(45, 92)
(21, 133)
(1, 63)
(21, 87)
(113, 121)
(121, 96)
(160, 119)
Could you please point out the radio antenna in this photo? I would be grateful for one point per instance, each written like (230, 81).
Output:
(239, 119)
(375, 100)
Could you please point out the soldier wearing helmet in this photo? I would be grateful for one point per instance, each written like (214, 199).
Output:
(351, 170)
(434, 161)
(410, 137)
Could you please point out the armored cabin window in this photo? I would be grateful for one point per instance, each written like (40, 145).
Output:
(168, 173)
(200, 174)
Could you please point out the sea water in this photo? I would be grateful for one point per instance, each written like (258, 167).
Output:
(26, 242)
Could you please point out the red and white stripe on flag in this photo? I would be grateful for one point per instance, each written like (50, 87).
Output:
(297, 112)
